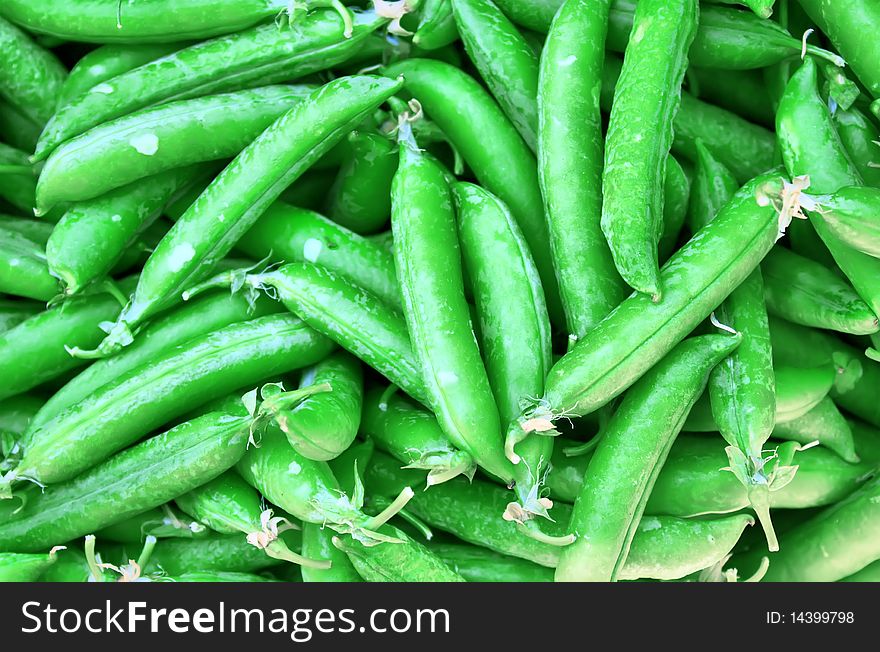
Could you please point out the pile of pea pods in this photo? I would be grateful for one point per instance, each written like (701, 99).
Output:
(439, 290)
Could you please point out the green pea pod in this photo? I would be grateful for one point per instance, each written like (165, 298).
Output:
(324, 425)
(436, 28)
(147, 475)
(639, 332)
(34, 230)
(308, 489)
(742, 387)
(96, 21)
(428, 263)
(491, 147)
(285, 234)
(34, 351)
(23, 268)
(825, 424)
(846, 27)
(197, 319)
(805, 292)
(160, 522)
(360, 197)
(689, 484)
(807, 136)
(676, 197)
(571, 176)
(31, 77)
(351, 316)
(504, 60)
(318, 544)
(408, 561)
(743, 92)
(798, 390)
(22, 567)
(166, 386)
(13, 312)
(850, 528)
(610, 505)
(318, 539)
(262, 55)
(799, 346)
(17, 129)
(663, 547)
(744, 148)
(222, 553)
(639, 137)
(16, 414)
(413, 436)
(514, 326)
(870, 573)
(92, 236)
(106, 62)
(855, 388)
(727, 38)
(477, 564)
(762, 8)
(157, 139)
(242, 191)
(851, 215)
(227, 504)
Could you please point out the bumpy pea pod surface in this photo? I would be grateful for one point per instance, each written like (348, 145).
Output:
(286, 234)
(805, 292)
(663, 547)
(98, 21)
(227, 504)
(93, 236)
(408, 561)
(742, 388)
(413, 436)
(811, 146)
(639, 137)
(639, 332)
(491, 147)
(196, 319)
(476, 564)
(798, 390)
(436, 28)
(263, 55)
(853, 215)
(571, 69)
(35, 351)
(428, 263)
(352, 317)
(157, 139)
(850, 528)
(690, 484)
(107, 61)
(165, 387)
(325, 424)
(823, 423)
(30, 77)
(318, 544)
(309, 490)
(360, 198)
(846, 24)
(514, 332)
(237, 197)
(23, 268)
(22, 567)
(144, 476)
(633, 449)
(505, 61)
